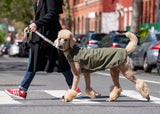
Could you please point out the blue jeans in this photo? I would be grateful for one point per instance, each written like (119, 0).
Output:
(30, 75)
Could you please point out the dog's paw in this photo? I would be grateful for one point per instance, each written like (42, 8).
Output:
(114, 93)
(91, 93)
(69, 96)
(97, 94)
(109, 100)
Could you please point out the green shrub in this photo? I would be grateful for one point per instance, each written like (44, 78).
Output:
(2, 35)
(143, 32)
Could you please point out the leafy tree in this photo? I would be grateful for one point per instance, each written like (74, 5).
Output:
(2, 35)
(19, 10)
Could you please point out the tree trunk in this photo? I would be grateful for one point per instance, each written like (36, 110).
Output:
(137, 4)
(67, 15)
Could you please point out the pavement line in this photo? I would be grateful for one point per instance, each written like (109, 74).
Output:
(136, 95)
(6, 99)
(154, 82)
(129, 93)
(79, 100)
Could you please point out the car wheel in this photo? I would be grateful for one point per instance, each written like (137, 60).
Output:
(134, 68)
(146, 66)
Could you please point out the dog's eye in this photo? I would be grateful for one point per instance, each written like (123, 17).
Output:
(59, 38)
(65, 40)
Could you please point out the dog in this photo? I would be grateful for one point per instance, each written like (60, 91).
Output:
(115, 59)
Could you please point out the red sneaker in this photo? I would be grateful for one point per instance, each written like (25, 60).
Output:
(78, 91)
(16, 93)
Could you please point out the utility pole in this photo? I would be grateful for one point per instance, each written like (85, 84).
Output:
(137, 4)
(67, 15)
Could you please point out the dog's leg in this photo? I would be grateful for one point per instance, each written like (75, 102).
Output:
(71, 93)
(89, 91)
(141, 87)
(115, 89)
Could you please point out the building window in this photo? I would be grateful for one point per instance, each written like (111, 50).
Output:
(78, 25)
(154, 7)
(87, 25)
(145, 18)
(100, 21)
(74, 25)
(96, 22)
(82, 24)
(158, 20)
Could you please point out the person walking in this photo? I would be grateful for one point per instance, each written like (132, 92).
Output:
(43, 56)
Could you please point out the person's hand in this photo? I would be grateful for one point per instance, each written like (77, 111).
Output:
(26, 29)
(33, 27)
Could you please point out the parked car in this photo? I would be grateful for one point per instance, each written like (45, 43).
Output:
(158, 62)
(146, 53)
(91, 40)
(76, 36)
(24, 49)
(5, 48)
(14, 49)
(80, 38)
(115, 39)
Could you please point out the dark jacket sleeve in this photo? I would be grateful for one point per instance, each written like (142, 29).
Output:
(54, 8)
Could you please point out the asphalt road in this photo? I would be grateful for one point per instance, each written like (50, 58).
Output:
(44, 95)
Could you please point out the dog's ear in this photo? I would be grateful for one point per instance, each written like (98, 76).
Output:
(56, 43)
(72, 41)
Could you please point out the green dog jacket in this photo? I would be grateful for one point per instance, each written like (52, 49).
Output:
(92, 60)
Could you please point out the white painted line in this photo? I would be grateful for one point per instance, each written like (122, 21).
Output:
(136, 95)
(6, 99)
(60, 93)
(106, 74)
(84, 101)
(56, 93)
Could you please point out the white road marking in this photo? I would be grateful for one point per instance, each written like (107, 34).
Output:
(56, 93)
(129, 93)
(6, 99)
(106, 74)
(60, 93)
(136, 95)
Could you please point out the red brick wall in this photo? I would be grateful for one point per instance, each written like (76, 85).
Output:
(82, 9)
(149, 11)
(109, 5)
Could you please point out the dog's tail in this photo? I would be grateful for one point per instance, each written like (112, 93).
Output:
(133, 42)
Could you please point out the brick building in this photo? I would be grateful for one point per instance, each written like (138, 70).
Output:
(109, 15)
(86, 15)
(150, 16)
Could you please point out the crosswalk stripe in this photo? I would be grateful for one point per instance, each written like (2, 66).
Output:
(60, 93)
(129, 93)
(136, 95)
(121, 76)
(6, 99)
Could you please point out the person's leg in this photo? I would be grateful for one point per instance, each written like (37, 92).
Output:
(23, 87)
(27, 78)
(68, 77)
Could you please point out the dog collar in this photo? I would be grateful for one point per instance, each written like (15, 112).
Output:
(67, 50)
